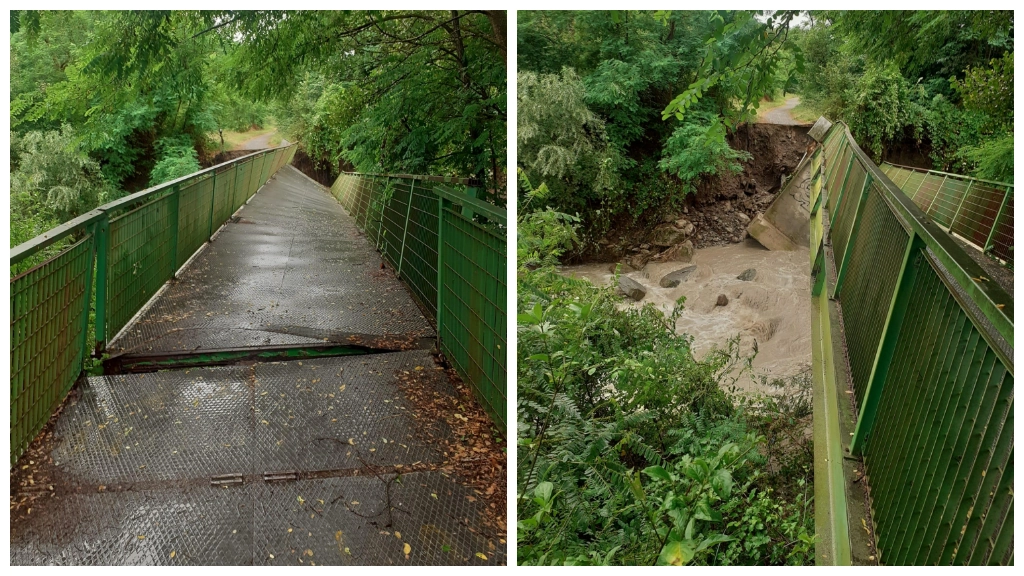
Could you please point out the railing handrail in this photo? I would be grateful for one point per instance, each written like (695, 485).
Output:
(40, 242)
(960, 176)
(427, 178)
(993, 301)
(493, 213)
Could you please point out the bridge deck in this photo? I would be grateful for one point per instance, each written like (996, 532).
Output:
(172, 467)
(293, 269)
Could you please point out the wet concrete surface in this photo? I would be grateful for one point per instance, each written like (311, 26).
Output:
(293, 266)
(134, 458)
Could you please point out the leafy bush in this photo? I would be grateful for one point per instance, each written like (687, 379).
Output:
(52, 181)
(177, 158)
(698, 148)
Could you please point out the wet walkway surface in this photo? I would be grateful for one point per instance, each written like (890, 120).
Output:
(293, 269)
(318, 461)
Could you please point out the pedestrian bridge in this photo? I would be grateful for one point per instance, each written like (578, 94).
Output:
(273, 354)
(913, 364)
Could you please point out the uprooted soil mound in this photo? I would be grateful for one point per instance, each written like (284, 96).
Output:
(721, 208)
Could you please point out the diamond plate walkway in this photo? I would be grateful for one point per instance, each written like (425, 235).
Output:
(313, 461)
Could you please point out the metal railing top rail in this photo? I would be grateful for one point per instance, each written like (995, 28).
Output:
(960, 176)
(990, 298)
(490, 211)
(48, 238)
(426, 178)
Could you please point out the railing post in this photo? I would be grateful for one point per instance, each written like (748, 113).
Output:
(887, 344)
(405, 229)
(213, 203)
(440, 265)
(842, 190)
(380, 217)
(466, 210)
(848, 251)
(995, 223)
(83, 347)
(102, 246)
(175, 200)
(962, 200)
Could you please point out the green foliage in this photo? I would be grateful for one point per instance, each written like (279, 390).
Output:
(994, 159)
(941, 80)
(595, 90)
(397, 91)
(697, 149)
(562, 142)
(630, 450)
(177, 158)
(51, 182)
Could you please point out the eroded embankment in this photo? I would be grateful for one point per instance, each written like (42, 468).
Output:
(772, 309)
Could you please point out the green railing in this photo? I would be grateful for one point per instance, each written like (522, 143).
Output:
(979, 211)
(115, 257)
(913, 369)
(450, 249)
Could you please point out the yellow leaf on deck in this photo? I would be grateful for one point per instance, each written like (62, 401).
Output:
(407, 549)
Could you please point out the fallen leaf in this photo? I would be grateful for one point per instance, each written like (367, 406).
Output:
(172, 553)
(398, 535)
(407, 549)
(301, 500)
(141, 537)
(481, 556)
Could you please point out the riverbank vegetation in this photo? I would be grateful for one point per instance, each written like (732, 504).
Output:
(633, 451)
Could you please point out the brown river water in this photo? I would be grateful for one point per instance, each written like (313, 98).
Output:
(773, 309)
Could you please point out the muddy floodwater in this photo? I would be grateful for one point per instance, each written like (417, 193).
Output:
(773, 309)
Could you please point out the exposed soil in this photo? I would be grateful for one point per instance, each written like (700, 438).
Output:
(325, 174)
(714, 210)
(722, 205)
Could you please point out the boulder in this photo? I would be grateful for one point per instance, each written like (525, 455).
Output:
(747, 275)
(667, 235)
(743, 218)
(684, 226)
(673, 279)
(638, 261)
(682, 252)
(722, 300)
(631, 288)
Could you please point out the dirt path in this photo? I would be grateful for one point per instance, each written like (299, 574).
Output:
(259, 142)
(782, 114)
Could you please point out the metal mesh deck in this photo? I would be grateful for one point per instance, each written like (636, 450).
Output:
(134, 456)
(293, 261)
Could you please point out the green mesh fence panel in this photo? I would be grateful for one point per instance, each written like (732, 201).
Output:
(473, 299)
(401, 216)
(871, 278)
(135, 245)
(976, 210)
(140, 258)
(49, 305)
(929, 359)
(195, 205)
(940, 459)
